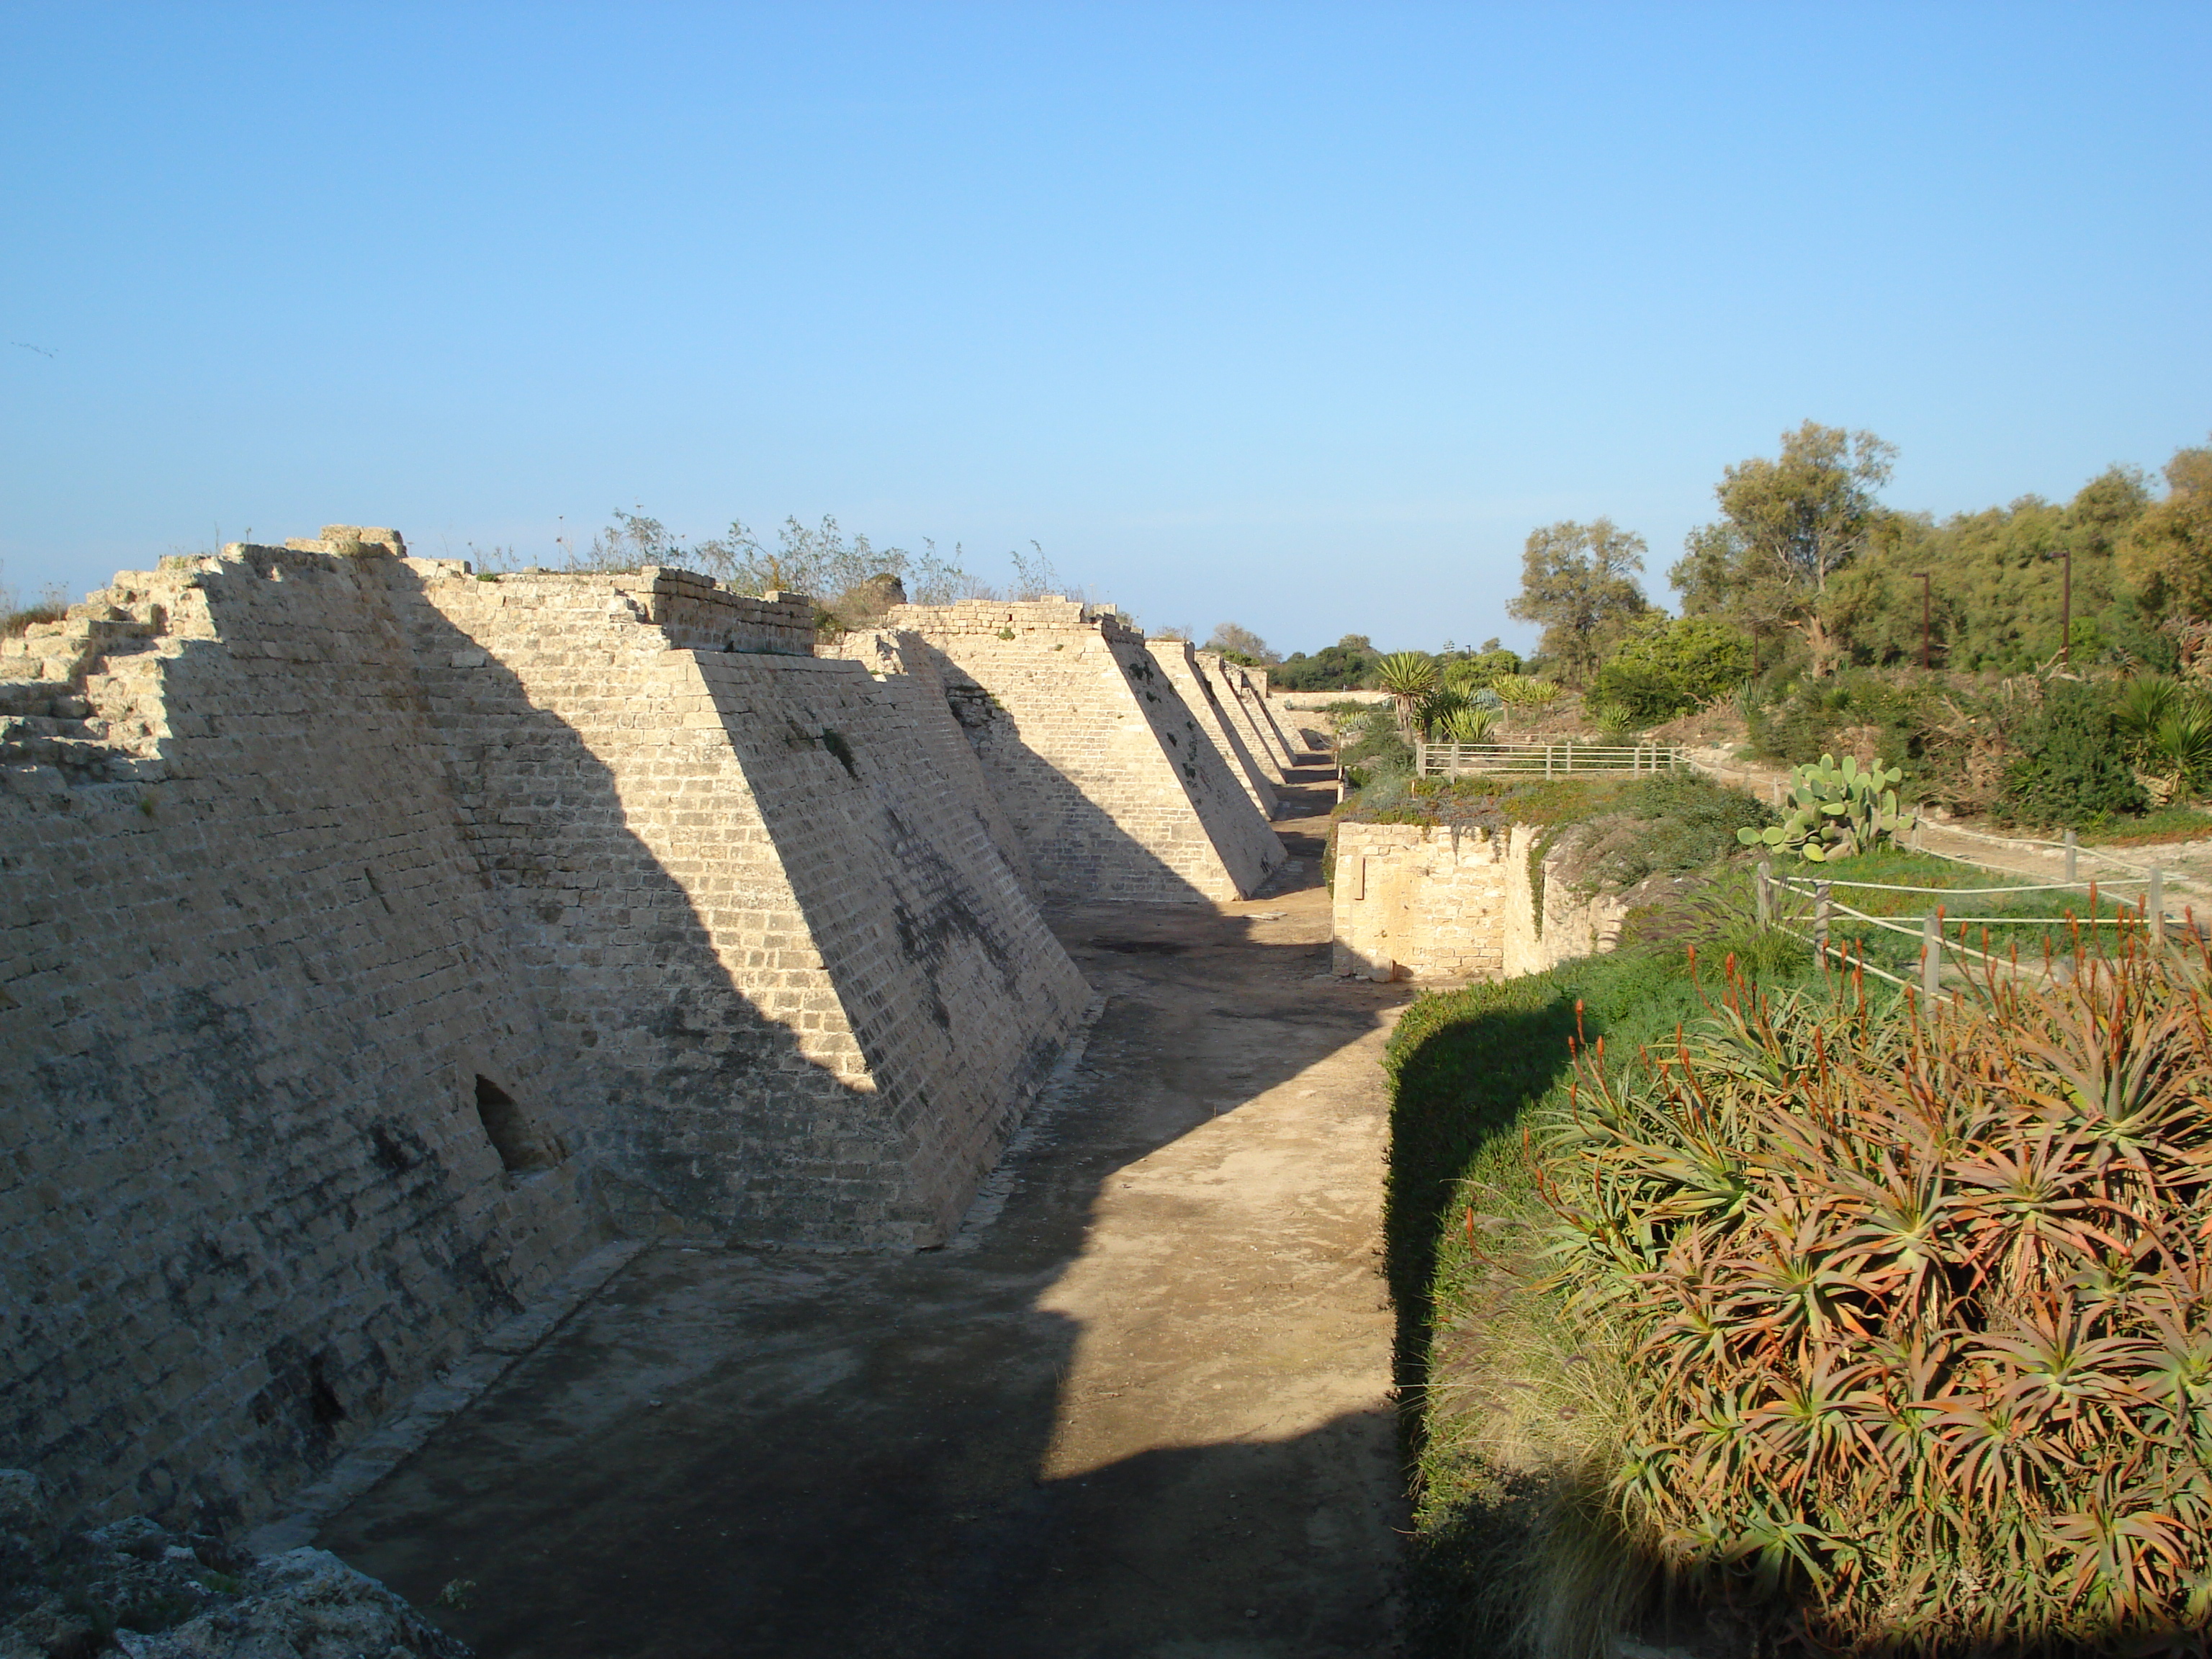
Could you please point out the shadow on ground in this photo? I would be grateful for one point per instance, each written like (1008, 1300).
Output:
(1142, 1410)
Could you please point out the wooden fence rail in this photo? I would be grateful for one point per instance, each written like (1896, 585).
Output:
(1549, 760)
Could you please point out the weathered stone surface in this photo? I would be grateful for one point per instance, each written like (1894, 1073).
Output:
(1211, 703)
(385, 936)
(1114, 789)
(1412, 902)
(136, 1587)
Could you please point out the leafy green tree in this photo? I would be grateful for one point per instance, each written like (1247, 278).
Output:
(1665, 664)
(1994, 581)
(1347, 665)
(1578, 583)
(2167, 555)
(1787, 525)
(2071, 772)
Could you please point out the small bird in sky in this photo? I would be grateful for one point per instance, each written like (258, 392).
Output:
(27, 346)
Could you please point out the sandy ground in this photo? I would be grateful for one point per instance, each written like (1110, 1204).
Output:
(1140, 1407)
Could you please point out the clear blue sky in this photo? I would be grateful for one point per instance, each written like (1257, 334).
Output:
(1298, 315)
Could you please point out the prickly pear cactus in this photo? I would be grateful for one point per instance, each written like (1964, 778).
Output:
(1833, 810)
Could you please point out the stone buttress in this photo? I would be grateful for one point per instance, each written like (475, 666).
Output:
(1115, 789)
(375, 940)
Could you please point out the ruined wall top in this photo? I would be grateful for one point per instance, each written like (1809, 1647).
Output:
(1015, 616)
(694, 612)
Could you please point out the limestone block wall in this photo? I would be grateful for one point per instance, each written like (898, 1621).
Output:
(375, 937)
(1115, 791)
(1176, 660)
(250, 979)
(1419, 902)
(1261, 735)
(758, 892)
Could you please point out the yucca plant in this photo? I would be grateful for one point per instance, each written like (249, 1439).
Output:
(1434, 710)
(2141, 703)
(1915, 1306)
(1408, 677)
(2178, 748)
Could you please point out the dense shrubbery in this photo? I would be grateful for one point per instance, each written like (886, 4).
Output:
(1888, 1330)
(2070, 771)
(1664, 666)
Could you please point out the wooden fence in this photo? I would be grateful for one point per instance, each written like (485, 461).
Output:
(1548, 760)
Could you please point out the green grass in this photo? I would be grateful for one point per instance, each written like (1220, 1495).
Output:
(2026, 922)
(2164, 824)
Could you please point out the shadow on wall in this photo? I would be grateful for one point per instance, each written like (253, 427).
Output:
(727, 1454)
(657, 862)
(1077, 848)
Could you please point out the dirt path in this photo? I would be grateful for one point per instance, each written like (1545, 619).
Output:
(2187, 865)
(1139, 1407)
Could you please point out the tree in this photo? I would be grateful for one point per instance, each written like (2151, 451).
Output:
(2167, 552)
(1786, 527)
(1994, 584)
(1239, 644)
(1669, 664)
(1344, 666)
(1577, 582)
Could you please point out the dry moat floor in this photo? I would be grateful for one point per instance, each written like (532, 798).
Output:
(1144, 1410)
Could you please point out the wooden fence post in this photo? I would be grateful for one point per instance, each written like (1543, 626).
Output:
(1762, 889)
(2155, 904)
(1820, 922)
(2073, 852)
(1931, 956)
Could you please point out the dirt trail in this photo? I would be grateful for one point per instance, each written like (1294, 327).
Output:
(1140, 1407)
(2187, 865)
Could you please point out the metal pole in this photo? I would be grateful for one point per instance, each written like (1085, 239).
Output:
(2073, 853)
(1820, 922)
(2066, 612)
(1762, 891)
(1931, 956)
(2155, 904)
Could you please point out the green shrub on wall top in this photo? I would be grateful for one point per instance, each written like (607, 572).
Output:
(1834, 811)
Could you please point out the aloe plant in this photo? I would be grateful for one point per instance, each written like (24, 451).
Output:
(1470, 724)
(1833, 810)
(1912, 1305)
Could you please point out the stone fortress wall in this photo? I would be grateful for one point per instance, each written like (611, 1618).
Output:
(1114, 785)
(1429, 903)
(377, 939)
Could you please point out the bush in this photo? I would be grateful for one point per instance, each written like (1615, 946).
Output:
(2071, 771)
(1896, 1320)
(1667, 666)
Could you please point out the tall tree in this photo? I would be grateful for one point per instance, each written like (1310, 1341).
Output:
(1786, 527)
(2167, 554)
(1578, 582)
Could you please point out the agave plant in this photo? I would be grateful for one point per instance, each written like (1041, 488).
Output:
(1438, 708)
(1525, 690)
(1834, 811)
(1915, 1305)
(1613, 719)
(1470, 724)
